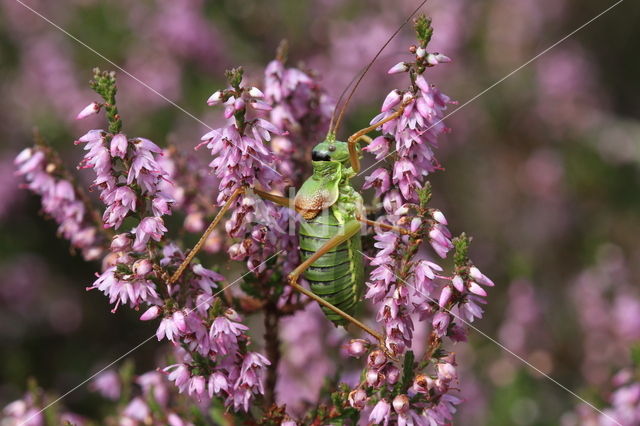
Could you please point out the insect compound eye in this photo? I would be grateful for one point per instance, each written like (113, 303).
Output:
(332, 148)
(320, 156)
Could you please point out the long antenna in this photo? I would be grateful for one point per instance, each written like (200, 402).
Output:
(344, 91)
(344, 107)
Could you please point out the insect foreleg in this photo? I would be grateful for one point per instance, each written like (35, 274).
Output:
(357, 136)
(350, 230)
(279, 200)
(194, 251)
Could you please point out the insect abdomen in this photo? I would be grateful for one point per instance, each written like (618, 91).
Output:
(338, 275)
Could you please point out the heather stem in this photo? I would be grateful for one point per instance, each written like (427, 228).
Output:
(272, 346)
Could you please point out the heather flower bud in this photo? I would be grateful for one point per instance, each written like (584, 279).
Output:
(445, 296)
(476, 289)
(357, 347)
(357, 398)
(422, 383)
(237, 251)
(377, 359)
(92, 108)
(261, 106)
(120, 242)
(439, 217)
(233, 315)
(420, 52)
(398, 68)
(458, 283)
(239, 104)
(415, 224)
(392, 99)
(442, 58)
(401, 404)
(446, 371)
(374, 378)
(431, 59)
(422, 84)
(119, 145)
(215, 98)
(480, 277)
(151, 313)
(142, 267)
(256, 93)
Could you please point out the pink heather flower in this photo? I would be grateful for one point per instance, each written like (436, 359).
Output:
(458, 283)
(357, 347)
(480, 277)
(476, 289)
(376, 359)
(120, 242)
(471, 309)
(380, 413)
(393, 99)
(23, 412)
(120, 201)
(60, 201)
(438, 216)
(357, 398)
(154, 383)
(224, 334)
(401, 404)
(374, 378)
(179, 374)
(215, 98)
(92, 108)
(123, 290)
(161, 204)
(217, 382)
(150, 314)
(441, 323)
(172, 327)
(149, 228)
(398, 68)
(392, 374)
(206, 279)
(107, 384)
(445, 296)
(379, 147)
(197, 387)
(137, 410)
(379, 180)
(142, 267)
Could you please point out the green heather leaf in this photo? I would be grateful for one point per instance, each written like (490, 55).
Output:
(407, 373)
